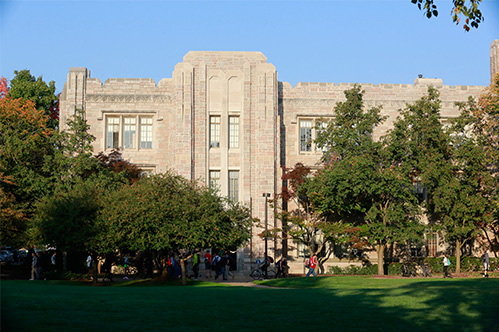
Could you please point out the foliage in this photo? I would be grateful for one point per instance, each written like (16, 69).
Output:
(167, 212)
(4, 87)
(300, 222)
(350, 133)
(115, 162)
(361, 186)
(28, 87)
(13, 225)
(353, 270)
(461, 8)
(66, 219)
(25, 141)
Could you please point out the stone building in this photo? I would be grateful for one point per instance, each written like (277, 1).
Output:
(226, 119)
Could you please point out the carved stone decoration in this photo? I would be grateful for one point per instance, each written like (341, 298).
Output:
(106, 98)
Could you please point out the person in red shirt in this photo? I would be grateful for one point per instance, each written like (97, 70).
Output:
(207, 262)
(312, 263)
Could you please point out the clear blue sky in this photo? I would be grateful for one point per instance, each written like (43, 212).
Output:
(356, 41)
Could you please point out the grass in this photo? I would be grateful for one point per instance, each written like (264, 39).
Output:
(323, 303)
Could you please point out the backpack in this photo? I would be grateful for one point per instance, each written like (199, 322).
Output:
(482, 258)
(307, 263)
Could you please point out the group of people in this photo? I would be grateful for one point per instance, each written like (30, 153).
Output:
(38, 264)
(219, 264)
(484, 258)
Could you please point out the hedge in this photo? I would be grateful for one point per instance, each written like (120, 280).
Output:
(468, 264)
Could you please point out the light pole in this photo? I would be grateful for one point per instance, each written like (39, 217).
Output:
(266, 195)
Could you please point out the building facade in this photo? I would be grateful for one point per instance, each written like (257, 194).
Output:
(224, 118)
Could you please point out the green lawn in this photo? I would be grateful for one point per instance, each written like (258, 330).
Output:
(319, 304)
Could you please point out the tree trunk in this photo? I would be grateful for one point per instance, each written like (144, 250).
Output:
(380, 248)
(458, 256)
(182, 266)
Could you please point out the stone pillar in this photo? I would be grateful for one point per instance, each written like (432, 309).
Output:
(494, 58)
(73, 94)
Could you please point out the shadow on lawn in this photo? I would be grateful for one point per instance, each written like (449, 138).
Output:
(436, 305)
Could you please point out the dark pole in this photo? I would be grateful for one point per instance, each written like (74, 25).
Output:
(266, 195)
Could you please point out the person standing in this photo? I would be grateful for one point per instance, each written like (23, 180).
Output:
(207, 263)
(33, 265)
(39, 266)
(282, 266)
(195, 265)
(446, 262)
(215, 265)
(89, 265)
(126, 267)
(486, 264)
(53, 260)
(312, 264)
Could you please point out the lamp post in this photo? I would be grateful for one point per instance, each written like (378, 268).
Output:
(266, 195)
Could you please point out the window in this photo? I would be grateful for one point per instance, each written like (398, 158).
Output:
(432, 243)
(122, 132)
(215, 179)
(305, 135)
(302, 250)
(145, 133)
(233, 132)
(113, 133)
(130, 130)
(214, 131)
(234, 185)
(320, 127)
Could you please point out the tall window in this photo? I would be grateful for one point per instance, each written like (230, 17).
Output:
(234, 185)
(432, 244)
(305, 135)
(129, 132)
(113, 133)
(233, 132)
(215, 179)
(145, 133)
(214, 131)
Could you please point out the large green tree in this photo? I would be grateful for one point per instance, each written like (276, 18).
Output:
(168, 212)
(28, 87)
(361, 186)
(25, 141)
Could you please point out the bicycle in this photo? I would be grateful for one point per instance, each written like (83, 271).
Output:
(408, 270)
(259, 273)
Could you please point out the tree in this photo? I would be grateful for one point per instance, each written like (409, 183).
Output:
(476, 162)
(300, 221)
(469, 9)
(4, 87)
(351, 131)
(420, 147)
(25, 141)
(361, 186)
(168, 212)
(28, 87)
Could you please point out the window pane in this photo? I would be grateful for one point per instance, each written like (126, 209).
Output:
(233, 132)
(234, 185)
(113, 133)
(129, 132)
(306, 135)
(214, 131)
(215, 179)
(321, 127)
(146, 133)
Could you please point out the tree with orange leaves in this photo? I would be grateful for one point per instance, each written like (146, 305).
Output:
(24, 143)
